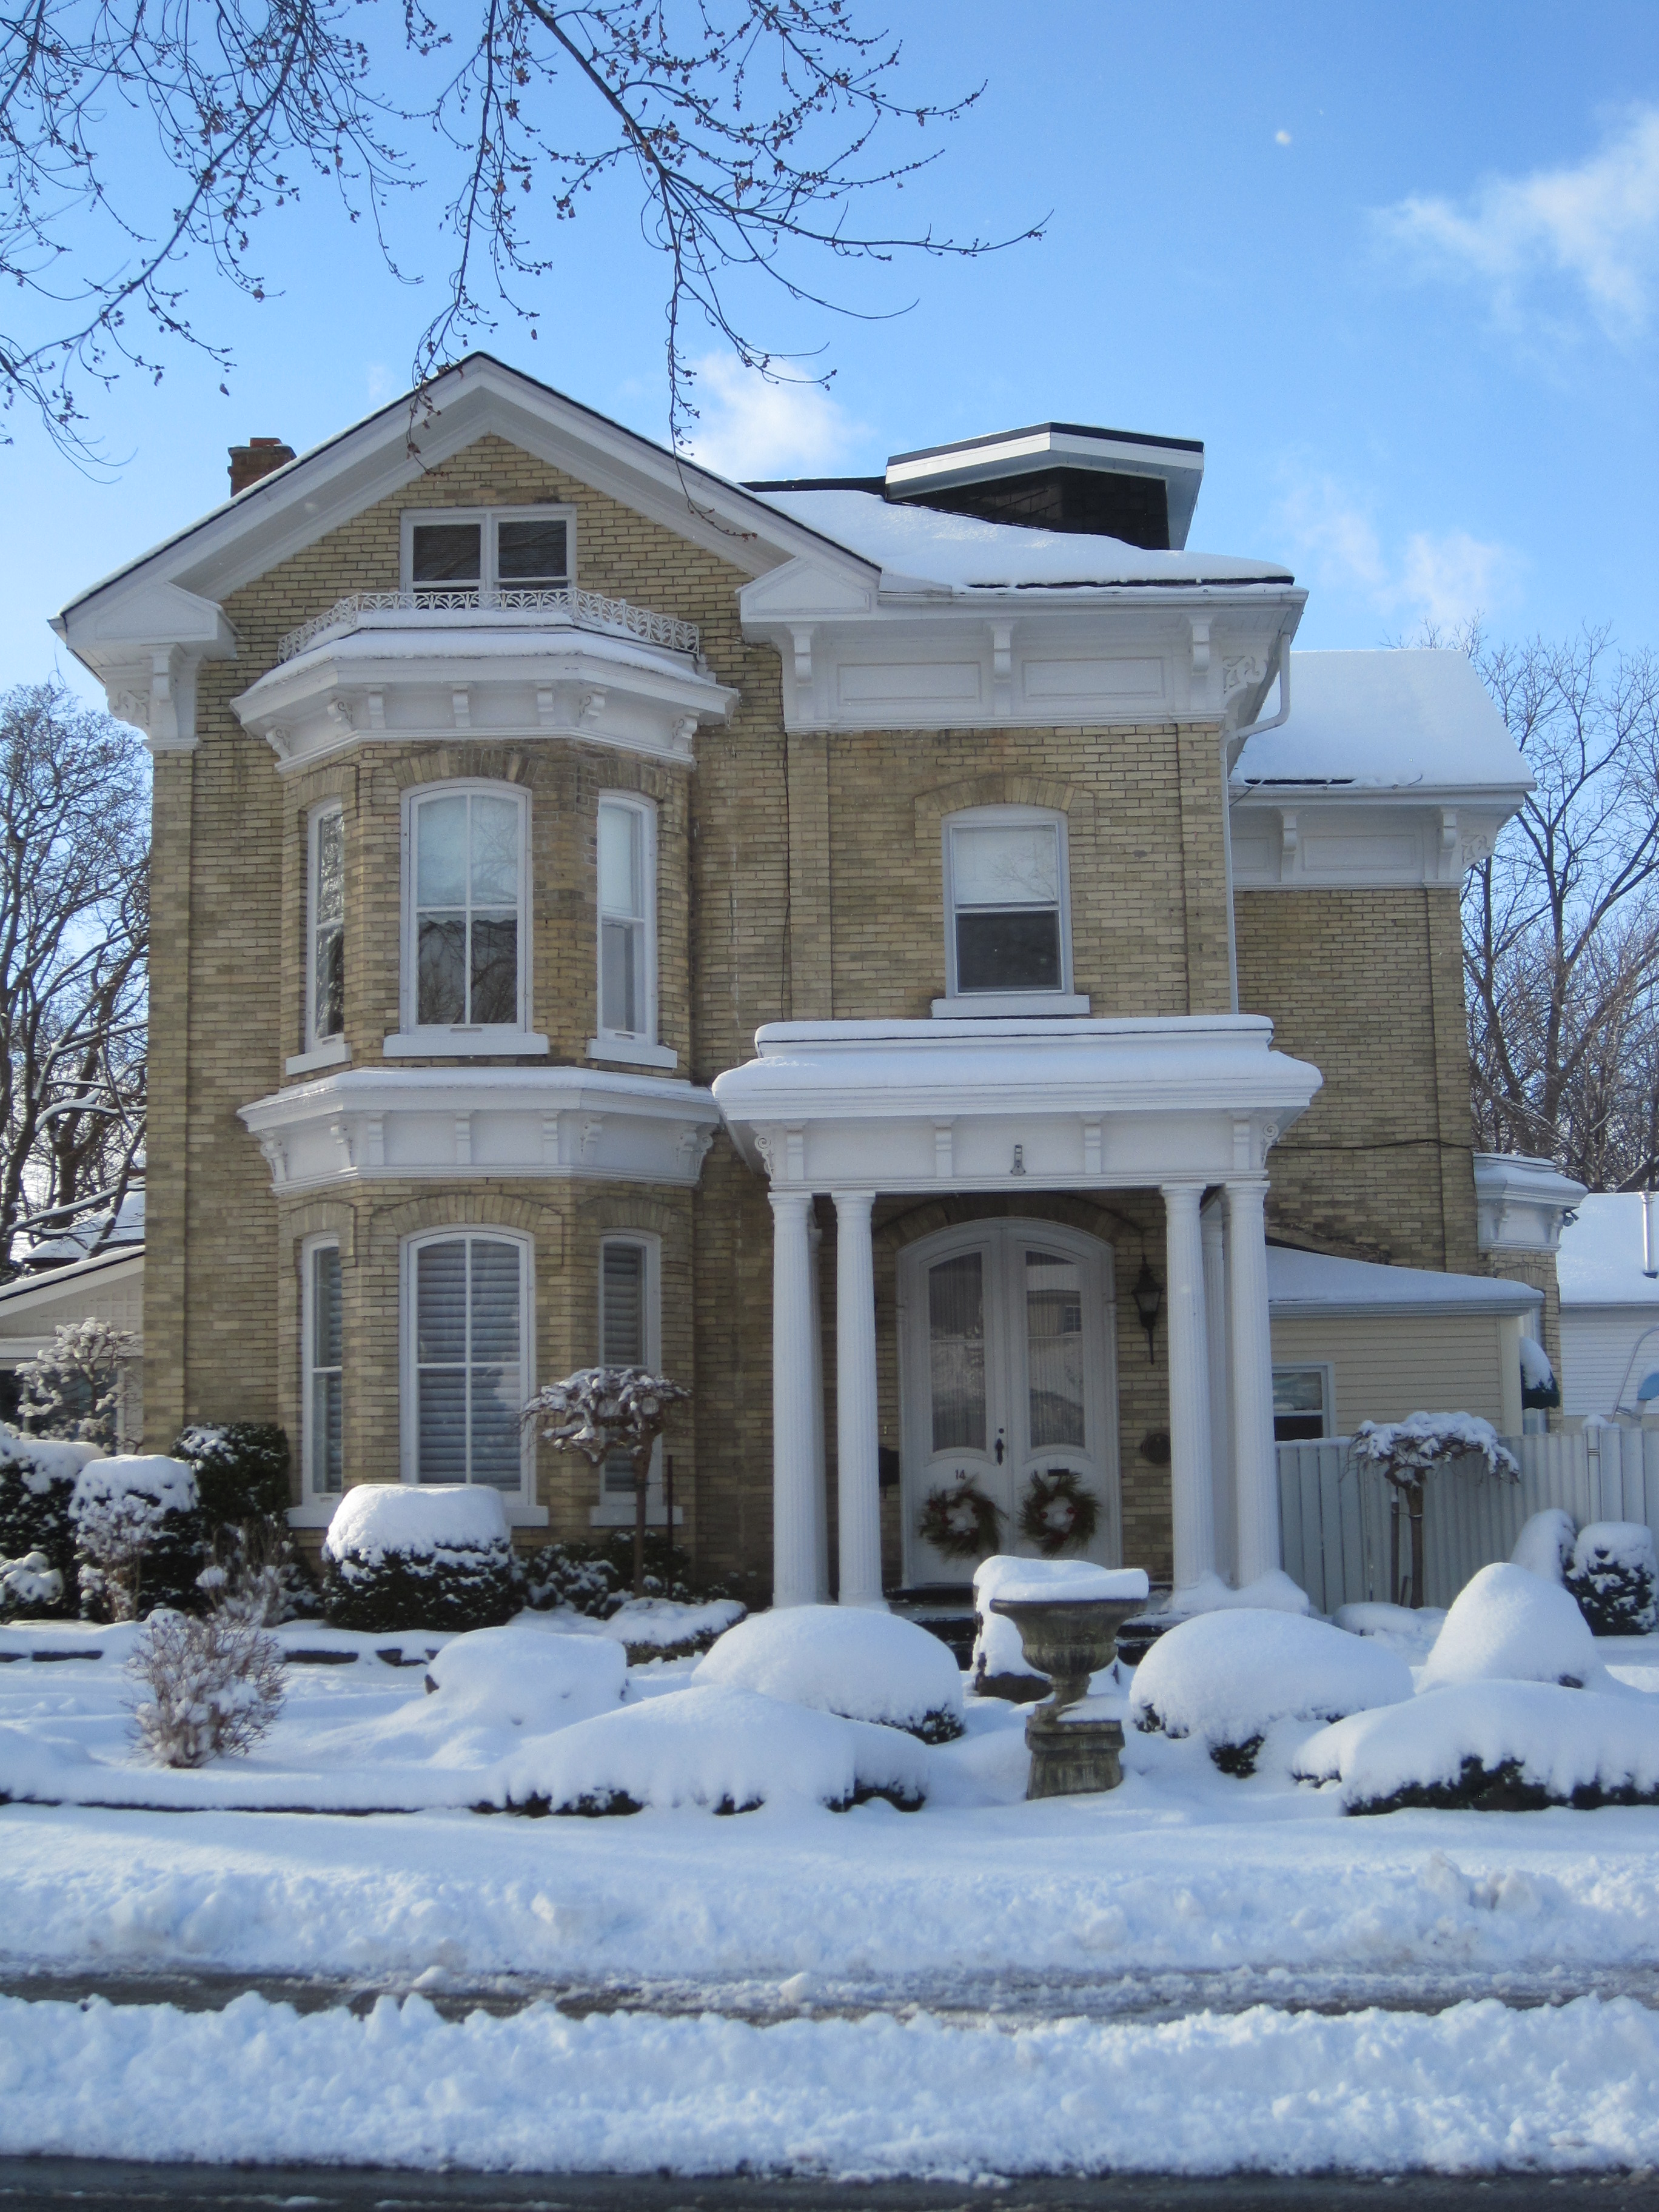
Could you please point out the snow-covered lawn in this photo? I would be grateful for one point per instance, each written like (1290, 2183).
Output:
(995, 1917)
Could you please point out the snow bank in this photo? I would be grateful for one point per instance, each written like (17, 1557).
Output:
(863, 1665)
(1500, 1746)
(998, 1650)
(1544, 1544)
(1273, 1592)
(375, 1518)
(1226, 1677)
(104, 1486)
(1506, 1624)
(717, 1746)
(526, 1679)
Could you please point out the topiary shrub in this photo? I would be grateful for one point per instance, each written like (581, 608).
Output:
(1613, 1576)
(37, 1481)
(435, 1556)
(241, 1470)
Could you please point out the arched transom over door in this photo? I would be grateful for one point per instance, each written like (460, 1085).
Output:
(1007, 1369)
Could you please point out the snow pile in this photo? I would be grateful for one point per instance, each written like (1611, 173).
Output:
(1544, 1544)
(1226, 1677)
(998, 1653)
(1497, 1746)
(1508, 1625)
(1535, 1369)
(716, 1746)
(862, 1664)
(1613, 1576)
(1273, 1592)
(1410, 1631)
(432, 1555)
(526, 1678)
(663, 1628)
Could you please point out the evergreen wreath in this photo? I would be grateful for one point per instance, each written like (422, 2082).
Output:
(1057, 1511)
(962, 1522)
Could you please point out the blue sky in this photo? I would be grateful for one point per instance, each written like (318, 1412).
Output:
(1397, 265)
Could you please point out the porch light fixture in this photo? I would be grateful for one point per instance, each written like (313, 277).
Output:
(1148, 1295)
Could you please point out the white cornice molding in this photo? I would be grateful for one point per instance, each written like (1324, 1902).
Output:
(145, 647)
(1363, 836)
(438, 1124)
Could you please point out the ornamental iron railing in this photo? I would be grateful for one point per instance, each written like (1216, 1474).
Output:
(580, 610)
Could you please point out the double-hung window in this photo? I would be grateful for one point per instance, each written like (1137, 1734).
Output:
(452, 556)
(1302, 1404)
(325, 927)
(322, 1417)
(466, 872)
(467, 1302)
(629, 1336)
(1007, 919)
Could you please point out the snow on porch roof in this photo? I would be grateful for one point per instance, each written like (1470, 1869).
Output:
(1599, 1260)
(1315, 1283)
(1408, 720)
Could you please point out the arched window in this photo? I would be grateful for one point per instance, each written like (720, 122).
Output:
(1007, 904)
(466, 917)
(468, 1301)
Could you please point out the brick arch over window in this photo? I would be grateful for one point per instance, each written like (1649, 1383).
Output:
(322, 1217)
(461, 764)
(615, 1211)
(1007, 789)
(410, 1217)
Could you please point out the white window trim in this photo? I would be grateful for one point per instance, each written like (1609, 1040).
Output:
(630, 1048)
(1327, 1374)
(487, 517)
(319, 1052)
(989, 1005)
(313, 1500)
(618, 1512)
(522, 1510)
(463, 1041)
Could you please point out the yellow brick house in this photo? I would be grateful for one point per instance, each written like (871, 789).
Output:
(898, 953)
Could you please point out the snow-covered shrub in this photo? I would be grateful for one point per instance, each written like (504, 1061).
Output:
(29, 1585)
(1498, 1747)
(999, 1666)
(1226, 1677)
(1613, 1576)
(1509, 1626)
(715, 1747)
(601, 1410)
(1406, 1452)
(37, 1482)
(73, 1388)
(137, 1536)
(573, 1578)
(1544, 1544)
(1409, 1630)
(527, 1678)
(241, 1470)
(433, 1556)
(665, 1628)
(863, 1665)
(214, 1685)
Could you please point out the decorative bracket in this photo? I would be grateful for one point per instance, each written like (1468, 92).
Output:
(1200, 627)
(460, 706)
(801, 637)
(1002, 667)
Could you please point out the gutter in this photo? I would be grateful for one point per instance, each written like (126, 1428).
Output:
(1231, 747)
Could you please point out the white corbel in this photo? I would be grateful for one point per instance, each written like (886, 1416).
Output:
(377, 710)
(1092, 1157)
(593, 708)
(592, 1124)
(460, 706)
(684, 731)
(544, 716)
(1290, 840)
(944, 1148)
(692, 1149)
(339, 713)
(344, 1137)
(463, 1140)
(1244, 1149)
(794, 1153)
(1199, 626)
(280, 738)
(374, 1140)
(1002, 667)
(276, 1157)
(801, 637)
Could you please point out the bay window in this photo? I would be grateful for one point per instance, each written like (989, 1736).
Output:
(466, 934)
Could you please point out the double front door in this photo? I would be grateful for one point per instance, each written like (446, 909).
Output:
(1006, 1371)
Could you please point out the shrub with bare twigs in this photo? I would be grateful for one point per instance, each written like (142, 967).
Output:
(215, 1686)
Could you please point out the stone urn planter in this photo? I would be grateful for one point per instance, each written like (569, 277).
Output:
(1069, 1639)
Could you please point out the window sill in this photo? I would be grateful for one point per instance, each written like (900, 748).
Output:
(463, 1044)
(631, 1052)
(988, 1005)
(333, 1051)
(619, 1513)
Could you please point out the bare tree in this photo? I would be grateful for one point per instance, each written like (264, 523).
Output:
(1561, 925)
(745, 127)
(73, 934)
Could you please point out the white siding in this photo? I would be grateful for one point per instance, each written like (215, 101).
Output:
(1597, 1343)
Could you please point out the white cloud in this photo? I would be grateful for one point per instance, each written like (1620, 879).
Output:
(750, 426)
(1597, 225)
(1281, 137)
(1437, 576)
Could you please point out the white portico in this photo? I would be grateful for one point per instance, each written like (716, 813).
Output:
(863, 1109)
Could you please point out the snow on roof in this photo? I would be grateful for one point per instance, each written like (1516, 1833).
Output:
(963, 553)
(1393, 720)
(1315, 1280)
(1599, 1260)
(76, 1242)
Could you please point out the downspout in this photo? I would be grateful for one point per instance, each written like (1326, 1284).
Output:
(1231, 747)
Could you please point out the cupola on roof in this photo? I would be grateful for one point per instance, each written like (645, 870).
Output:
(1068, 477)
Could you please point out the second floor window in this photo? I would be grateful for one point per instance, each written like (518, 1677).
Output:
(525, 548)
(325, 928)
(1008, 929)
(627, 897)
(468, 865)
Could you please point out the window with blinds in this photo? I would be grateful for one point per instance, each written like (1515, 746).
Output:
(324, 1384)
(469, 1381)
(624, 1288)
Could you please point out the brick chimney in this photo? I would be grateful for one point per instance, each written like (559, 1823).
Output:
(255, 459)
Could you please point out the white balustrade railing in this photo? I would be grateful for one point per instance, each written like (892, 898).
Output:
(580, 609)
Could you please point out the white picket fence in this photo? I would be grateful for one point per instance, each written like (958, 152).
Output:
(1338, 1517)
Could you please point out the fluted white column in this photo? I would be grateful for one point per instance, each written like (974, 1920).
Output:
(1255, 1468)
(1192, 1507)
(858, 1489)
(820, 1477)
(795, 1552)
(1213, 1225)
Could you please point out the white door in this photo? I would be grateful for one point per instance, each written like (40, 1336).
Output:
(1006, 1370)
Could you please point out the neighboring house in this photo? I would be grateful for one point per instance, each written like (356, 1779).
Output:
(1610, 1306)
(891, 967)
(109, 1287)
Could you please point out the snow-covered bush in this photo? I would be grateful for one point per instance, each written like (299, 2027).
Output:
(1544, 1544)
(433, 1556)
(37, 1482)
(1498, 1747)
(1406, 1452)
(1410, 1631)
(999, 1666)
(73, 1388)
(863, 1665)
(572, 1577)
(241, 1470)
(716, 1747)
(1226, 1677)
(1613, 1576)
(29, 1585)
(665, 1628)
(527, 1678)
(1509, 1626)
(137, 1536)
(214, 1685)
